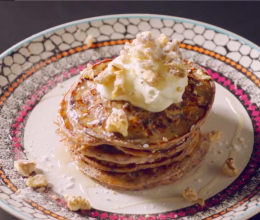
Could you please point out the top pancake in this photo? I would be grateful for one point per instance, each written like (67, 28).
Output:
(87, 112)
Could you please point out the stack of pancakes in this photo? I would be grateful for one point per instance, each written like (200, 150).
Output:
(160, 147)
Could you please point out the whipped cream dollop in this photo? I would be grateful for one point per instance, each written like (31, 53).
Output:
(150, 73)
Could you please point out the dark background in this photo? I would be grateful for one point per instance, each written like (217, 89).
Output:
(19, 20)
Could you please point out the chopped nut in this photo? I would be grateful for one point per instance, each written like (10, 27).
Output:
(124, 57)
(163, 39)
(117, 67)
(89, 40)
(214, 136)
(229, 168)
(190, 195)
(105, 77)
(139, 54)
(144, 36)
(201, 201)
(176, 43)
(76, 203)
(117, 122)
(24, 167)
(201, 75)
(88, 73)
(38, 180)
(151, 77)
(119, 89)
(177, 68)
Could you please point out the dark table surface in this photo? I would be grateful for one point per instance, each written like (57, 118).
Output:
(19, 20)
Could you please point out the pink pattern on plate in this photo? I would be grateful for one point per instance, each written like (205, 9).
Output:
(95, 213)
(45, 88)
(172, 215)
(35, 97)
(104, 215)
(73, 71)
(123, 217)
(26, 107)
(162, 217)
(30, 102)
(81, 67)
(58, 78)
(66, 75)
(181, 213)
(50, 83)
(19, 119)
(113, 217)
(17, 145)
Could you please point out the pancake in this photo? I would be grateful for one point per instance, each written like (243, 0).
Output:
(165, 152)
(112, 154)
(131, 167)
(87, 112)
(147, 178)
(174, 143)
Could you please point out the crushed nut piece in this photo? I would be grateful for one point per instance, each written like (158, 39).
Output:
(24, 167)
(151, 77)
(105, 76)
(201, 75)
(88, 73)
(119, 89)
(163, 39)
(117, 122)
(89, 40)
(38, 180)
(76, 203)
(190, 195)
(145, 145)
(201, 201)
(125, 58)
(214, 136)
(117, 67)
(229, 168)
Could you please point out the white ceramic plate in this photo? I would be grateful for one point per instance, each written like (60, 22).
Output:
(37, 71)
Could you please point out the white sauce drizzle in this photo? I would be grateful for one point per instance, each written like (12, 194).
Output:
(232, 153)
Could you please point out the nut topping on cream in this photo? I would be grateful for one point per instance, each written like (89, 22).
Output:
(117, 122)
(150, 73)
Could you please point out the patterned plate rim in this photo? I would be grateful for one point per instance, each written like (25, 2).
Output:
(20, 215)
